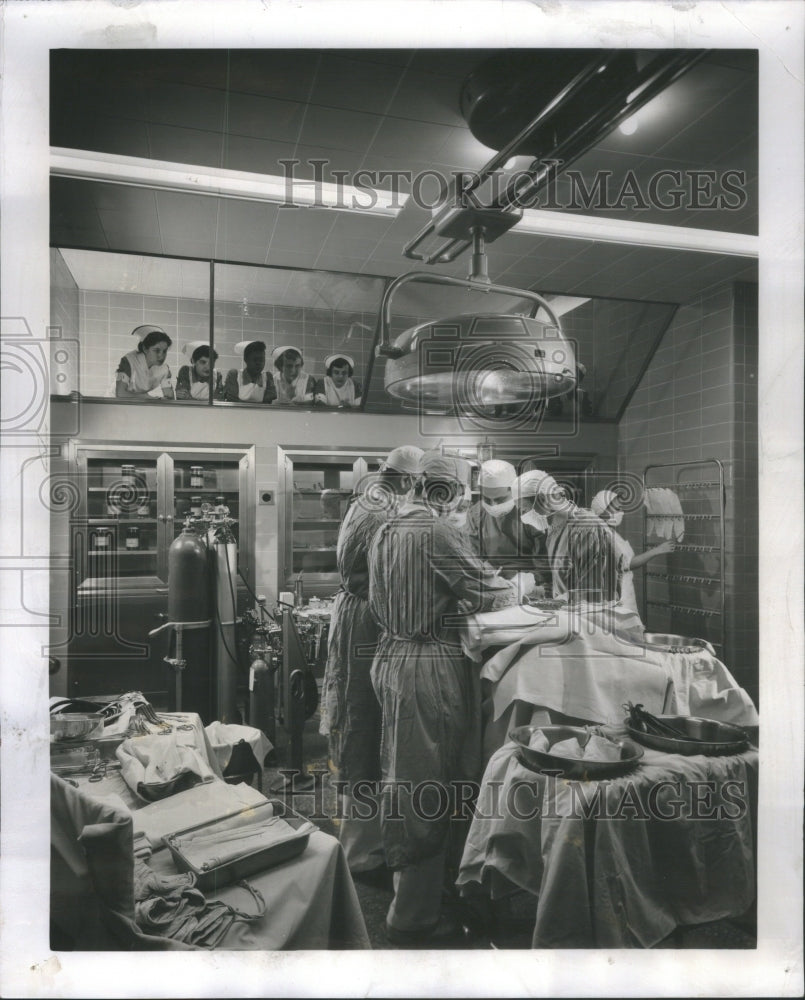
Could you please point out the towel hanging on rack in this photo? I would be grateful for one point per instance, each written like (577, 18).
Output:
(664, 510)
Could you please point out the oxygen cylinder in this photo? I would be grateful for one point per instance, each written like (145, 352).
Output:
(188, 588)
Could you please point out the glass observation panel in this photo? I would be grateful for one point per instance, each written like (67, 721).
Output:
(103, 305)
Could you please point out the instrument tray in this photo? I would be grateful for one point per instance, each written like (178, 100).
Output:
(217, 871)
(696, 736)
(572, 767)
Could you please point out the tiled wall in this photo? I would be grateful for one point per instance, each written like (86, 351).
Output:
(64, 316)
(108, 318)
(698, 401)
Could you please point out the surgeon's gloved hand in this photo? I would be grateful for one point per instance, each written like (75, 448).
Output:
(525, 584)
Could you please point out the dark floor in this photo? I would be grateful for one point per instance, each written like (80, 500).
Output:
(506, 924)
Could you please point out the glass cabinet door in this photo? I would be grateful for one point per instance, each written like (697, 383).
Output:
(206, 479)
(320, 497)
(317, 492)
(118, 535)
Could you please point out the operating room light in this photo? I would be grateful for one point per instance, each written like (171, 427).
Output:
(629, 126)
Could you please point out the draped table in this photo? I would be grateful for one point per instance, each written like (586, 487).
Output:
(620, 862)
(581, 664)
(311, 899)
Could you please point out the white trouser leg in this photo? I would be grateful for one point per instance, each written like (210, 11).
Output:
(361, 838)
(417, 899)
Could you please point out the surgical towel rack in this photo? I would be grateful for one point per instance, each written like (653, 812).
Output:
(699, 563)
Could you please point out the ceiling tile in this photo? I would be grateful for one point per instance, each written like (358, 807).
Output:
(302, 229)
(338, 129)
(119, 198)
(246, 222)
(187, 217)
(354, 85)
(190, 107)
(286, 74)
(137, 223)
(427, 98)
(257, 156)
(414, 140)
(264, 117)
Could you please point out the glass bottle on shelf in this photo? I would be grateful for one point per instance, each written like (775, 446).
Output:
(102, 539)
(196, 477)
(132, 538)
(195, 506)
(127, 473)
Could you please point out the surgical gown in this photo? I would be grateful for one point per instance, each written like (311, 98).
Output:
(584, 558)
(351, 714)
(422, 576)
(508, 544)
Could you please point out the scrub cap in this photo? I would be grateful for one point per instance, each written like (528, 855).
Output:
(277, 353)
(602, 500)
(338, 357)
(529, 484)
(404, 459)
(192, 346)
(242, 346)
(435, 465)
(497, 474)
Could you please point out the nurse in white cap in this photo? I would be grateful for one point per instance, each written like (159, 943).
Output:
(193, 380)
(338, 387)
(250, 384)
(606, 504)
(293, 383)
(350, 712)
(496, 531)
(143, 371)
(581, 550)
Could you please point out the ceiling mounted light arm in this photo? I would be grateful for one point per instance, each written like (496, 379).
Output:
(656, 77)
(385, 349)
(455, 247)
(505, 211)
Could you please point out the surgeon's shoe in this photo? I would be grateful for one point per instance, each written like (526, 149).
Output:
(445, 933)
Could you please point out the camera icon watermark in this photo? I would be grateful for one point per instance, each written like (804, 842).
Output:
(34, 368)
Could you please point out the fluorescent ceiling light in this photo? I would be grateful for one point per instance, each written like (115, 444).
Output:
(160, 175)
(643, 234)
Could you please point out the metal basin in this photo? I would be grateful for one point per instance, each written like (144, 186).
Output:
(568, 767)
(74, 726)
(697, 736)
(676, 643)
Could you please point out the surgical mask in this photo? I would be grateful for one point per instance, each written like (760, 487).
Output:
(458, 518)
(535, 520)
(615, 518)
(457, 514)
(498, 509)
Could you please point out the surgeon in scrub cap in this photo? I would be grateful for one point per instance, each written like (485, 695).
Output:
(350, 710)
(496, 530)
(422, 574)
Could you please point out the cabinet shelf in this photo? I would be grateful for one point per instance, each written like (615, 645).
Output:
(195, 490)
(129, 522)
(122, 552)
(316, 523)
(318, 493)
(116, 485)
